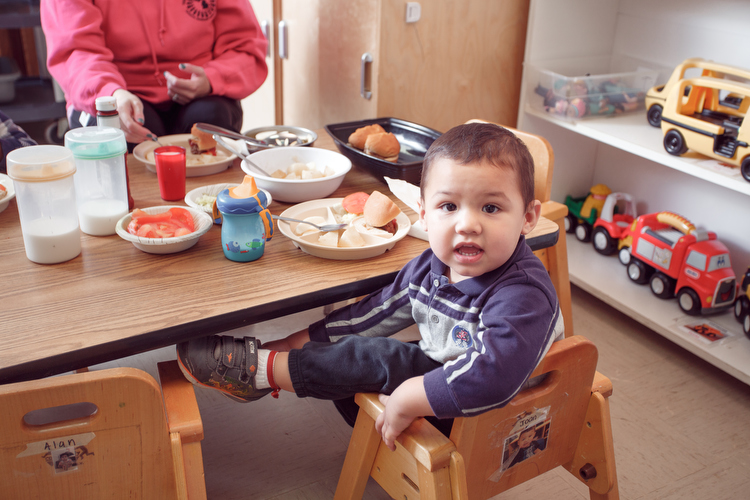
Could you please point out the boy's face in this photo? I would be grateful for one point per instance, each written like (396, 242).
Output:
(474, 215)
(525, 439)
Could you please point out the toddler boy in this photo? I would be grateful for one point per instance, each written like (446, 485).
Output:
(484, 304)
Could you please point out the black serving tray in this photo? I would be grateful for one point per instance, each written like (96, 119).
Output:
(415, 139)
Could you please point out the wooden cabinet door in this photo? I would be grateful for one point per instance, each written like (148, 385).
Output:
(322, 70)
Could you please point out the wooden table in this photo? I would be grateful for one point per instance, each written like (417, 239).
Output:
(114, 301)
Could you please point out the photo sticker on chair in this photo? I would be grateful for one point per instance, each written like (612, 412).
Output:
(63, 454)
(527, 438)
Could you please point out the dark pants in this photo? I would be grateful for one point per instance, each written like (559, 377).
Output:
(171, 118)
(339, 370)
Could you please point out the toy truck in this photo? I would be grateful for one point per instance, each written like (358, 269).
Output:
(583, 211)
(742, 306)
(618, 213)
(667, 251)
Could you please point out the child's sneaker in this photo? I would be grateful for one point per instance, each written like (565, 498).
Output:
(224, 363)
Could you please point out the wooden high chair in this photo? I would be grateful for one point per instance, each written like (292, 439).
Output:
(554, 258)
(102, 434)
(568, 411)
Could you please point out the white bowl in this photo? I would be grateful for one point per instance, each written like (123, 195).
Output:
(213, 190)
(202, 220)
(296, 191)
(7, 182)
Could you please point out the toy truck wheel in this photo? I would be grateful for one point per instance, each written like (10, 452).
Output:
(662, 285)
(741, 307)
(624, 256)
(746, 325)
(689, 301)
(583, 232)
(654, 115)
(570, 223)
(638, 271)
(674, 143)
(745, 169)
(603, 242)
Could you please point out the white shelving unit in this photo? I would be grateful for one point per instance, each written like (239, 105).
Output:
(627, 154)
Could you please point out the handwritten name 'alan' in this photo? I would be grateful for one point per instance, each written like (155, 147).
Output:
(53, 445)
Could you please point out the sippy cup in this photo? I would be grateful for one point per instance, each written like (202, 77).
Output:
(247, 223)
(100, 178)
(46, 197)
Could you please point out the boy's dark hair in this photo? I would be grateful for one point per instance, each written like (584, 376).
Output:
(474, 142)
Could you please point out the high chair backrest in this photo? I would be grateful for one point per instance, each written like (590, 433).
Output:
(100, 434)
(544, 160)
(551, 413)
(563, 420)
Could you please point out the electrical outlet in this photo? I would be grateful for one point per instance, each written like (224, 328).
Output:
(413, 12)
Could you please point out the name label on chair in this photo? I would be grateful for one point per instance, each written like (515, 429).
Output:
(527, 438)
(63, 453)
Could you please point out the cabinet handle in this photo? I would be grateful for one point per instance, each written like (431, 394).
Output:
(283, 40)
(265, 29)
(366, 59)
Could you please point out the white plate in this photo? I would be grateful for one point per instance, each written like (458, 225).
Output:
(213, 164)
(214, 190)
(308, 243)
(10, 194)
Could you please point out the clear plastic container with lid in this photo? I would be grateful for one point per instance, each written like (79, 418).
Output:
(46, 198)
(100, 179)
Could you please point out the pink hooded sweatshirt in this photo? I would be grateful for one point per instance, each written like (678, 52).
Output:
(95, 47)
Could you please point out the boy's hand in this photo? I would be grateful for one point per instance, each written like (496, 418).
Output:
(407, 402)
(182, 90)
(130, 109)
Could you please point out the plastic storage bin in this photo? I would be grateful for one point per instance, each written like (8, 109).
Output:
(9, 73)
(573, 89)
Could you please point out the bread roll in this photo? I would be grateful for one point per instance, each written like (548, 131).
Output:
(380, 210)
(383, 145)
(201, 141)
(359, 136)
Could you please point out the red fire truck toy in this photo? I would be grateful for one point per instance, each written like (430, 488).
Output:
(667, 251)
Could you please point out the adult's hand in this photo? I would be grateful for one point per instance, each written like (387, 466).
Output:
(130, 109)
(182, 90)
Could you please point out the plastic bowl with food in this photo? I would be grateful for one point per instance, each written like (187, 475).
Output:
(203, 222)
(202, 198)
(280, 136)
(8, 193)
(286, 190)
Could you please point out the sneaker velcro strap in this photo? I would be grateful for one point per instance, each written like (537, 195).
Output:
(227, 354)
(251, 361)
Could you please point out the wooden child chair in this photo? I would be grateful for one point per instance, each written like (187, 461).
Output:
(102, 434)
(568, 413)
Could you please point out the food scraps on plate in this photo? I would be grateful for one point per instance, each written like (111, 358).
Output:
(368, 216)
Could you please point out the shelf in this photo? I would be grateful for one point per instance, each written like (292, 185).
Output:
(632, 133)
(606, 278)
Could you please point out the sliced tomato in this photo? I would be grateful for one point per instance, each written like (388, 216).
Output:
(355, 202)
(174, 222)
(183, 218)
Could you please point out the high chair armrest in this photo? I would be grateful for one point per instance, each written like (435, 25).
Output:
(425, 443)
(554, 210)
(602, 385)
(180, 403)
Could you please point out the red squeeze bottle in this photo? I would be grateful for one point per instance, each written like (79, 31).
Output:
(107, 116)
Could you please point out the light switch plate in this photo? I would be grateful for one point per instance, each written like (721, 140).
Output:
(413, 12)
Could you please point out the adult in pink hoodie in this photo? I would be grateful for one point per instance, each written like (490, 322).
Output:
(169, 63)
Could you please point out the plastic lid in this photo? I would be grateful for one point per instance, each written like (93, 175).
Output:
(106, 103)
(96, 143)
(40, 163)
(241, 206)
